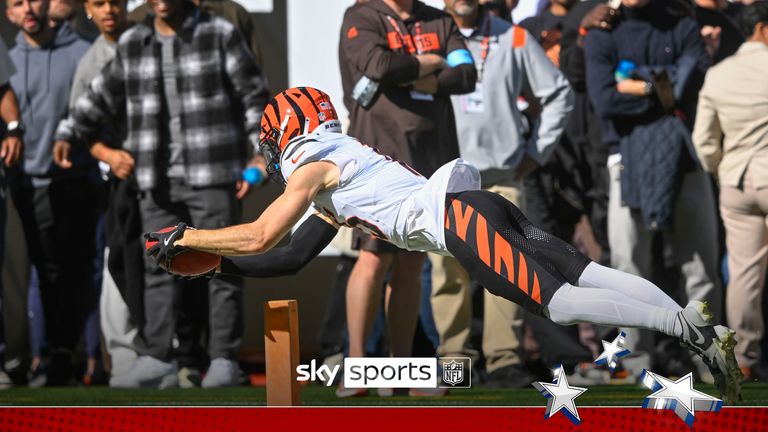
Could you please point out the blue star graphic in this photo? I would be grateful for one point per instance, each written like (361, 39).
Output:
(612, 352)
(561, 396)
(679, 396)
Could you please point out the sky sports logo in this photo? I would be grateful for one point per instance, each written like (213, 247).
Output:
(388, 372)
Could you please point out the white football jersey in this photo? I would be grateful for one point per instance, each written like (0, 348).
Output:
(379, 195)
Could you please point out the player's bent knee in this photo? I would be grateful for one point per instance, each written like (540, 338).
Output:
(559, 319)
(559, 310)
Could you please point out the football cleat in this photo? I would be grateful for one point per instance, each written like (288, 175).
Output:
(714, 344)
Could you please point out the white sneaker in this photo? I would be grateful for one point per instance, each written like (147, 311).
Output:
(715, 346)
(5, 381)
(222, 373)
(148, 372)
(189, 377)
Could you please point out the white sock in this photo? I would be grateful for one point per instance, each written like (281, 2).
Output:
(598, 276)
(572, 304)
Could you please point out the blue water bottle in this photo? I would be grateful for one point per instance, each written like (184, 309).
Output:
(624, 70)
(253, 176)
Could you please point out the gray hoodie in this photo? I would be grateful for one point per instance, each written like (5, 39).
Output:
(491, 137)
(42, 84)
(99, 54)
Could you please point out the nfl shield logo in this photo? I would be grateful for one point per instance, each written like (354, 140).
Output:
(453, 372)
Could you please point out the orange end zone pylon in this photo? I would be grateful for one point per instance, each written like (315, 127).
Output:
(281, 346)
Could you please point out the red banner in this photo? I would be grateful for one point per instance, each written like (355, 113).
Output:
(168, 419)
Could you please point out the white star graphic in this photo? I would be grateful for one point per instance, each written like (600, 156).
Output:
(679, 396)
(560, 396)
(612, 351)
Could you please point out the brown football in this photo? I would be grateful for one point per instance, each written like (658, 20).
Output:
(190, 262)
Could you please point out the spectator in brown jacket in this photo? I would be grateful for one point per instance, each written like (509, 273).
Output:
(403, 61)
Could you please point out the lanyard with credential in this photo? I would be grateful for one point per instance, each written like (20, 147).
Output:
(417, 40)
(400, 36)
(485, 46)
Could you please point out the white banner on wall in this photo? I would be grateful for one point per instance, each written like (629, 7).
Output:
(258, 6)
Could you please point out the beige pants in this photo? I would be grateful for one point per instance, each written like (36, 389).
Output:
(452, 307)
(745, 215)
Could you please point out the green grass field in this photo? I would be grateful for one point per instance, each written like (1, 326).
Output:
(623, 395)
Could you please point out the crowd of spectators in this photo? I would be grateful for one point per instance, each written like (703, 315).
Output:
(620, 127)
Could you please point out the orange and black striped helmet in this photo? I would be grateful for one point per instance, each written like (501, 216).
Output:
(294, 112)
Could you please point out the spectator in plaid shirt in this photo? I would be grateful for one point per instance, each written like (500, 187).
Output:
(188, 84)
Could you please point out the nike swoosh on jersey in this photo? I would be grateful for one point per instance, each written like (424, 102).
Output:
(296, 159)
(167, 239)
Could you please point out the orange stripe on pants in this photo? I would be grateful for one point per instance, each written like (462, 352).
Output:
(536, 294)
(503, 254)
(462, 219)
(481, 234)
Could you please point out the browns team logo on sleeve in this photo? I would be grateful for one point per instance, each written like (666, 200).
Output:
(352, 32)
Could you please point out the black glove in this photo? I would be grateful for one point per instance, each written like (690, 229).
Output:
(164, 250)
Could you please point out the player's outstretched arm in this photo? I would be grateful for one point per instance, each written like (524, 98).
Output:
(306, 243)
(265, 232)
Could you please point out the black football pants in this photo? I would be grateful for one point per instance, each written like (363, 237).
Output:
(505, 253)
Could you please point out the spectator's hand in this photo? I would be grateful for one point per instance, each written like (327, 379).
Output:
(631, 87)
(61, 151)
(711, 36)
(429, 64)
(601, 17)
(165, 247)
(120, 162)
(11, 150)
(243, 187)
(427, 84)
(526, 166)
